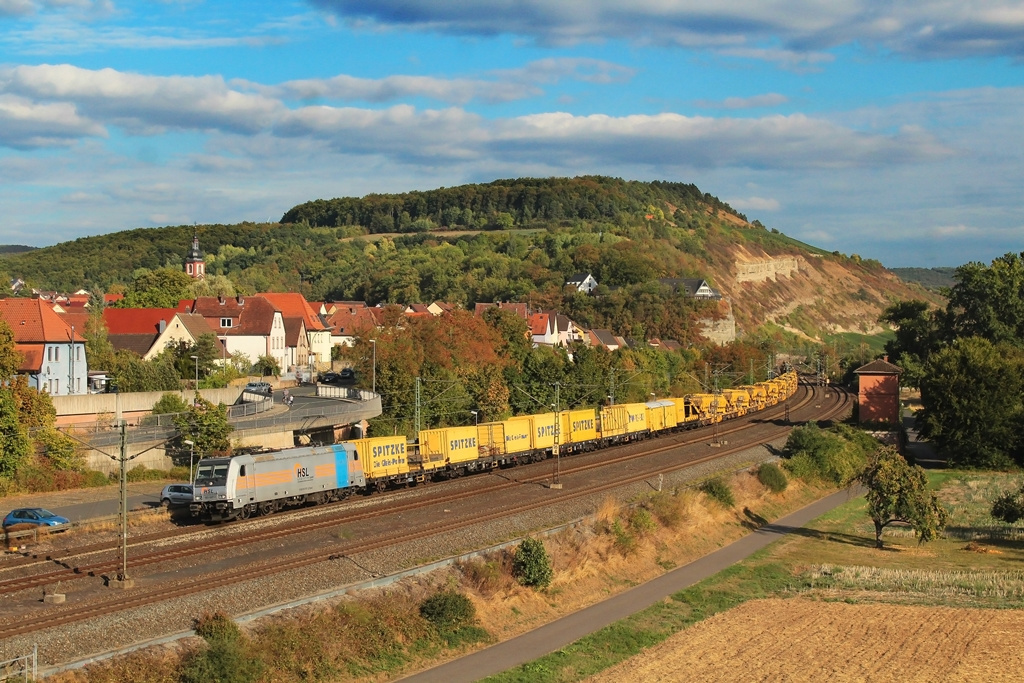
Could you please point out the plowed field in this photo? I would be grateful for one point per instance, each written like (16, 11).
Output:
(807, 640)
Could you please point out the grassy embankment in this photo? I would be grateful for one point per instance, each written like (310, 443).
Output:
(976, 564)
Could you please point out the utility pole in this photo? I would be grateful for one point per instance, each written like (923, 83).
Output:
(611, 387)
(418, 408)
(122, 576)
(555, 481)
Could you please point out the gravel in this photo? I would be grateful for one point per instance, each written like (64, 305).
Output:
(87, 639)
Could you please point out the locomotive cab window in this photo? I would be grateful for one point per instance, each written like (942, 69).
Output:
(241, 471)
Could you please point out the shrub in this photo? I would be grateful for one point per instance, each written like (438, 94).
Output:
(835, 456)
(448, 610)
(531, 565)
(170, 404)
(93, 479)
(772, 476)
(178, 472)
(667, 508)
(226, 658)
(143, 473)
(717, 489)
(625, 542)
(642, 522)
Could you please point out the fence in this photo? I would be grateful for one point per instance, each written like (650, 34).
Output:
(25, 668)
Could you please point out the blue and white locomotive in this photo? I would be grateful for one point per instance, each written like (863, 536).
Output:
(244, 485)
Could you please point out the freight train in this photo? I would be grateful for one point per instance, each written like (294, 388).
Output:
(261, 483)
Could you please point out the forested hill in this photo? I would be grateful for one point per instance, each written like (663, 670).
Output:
(504, 203)
(503, 241)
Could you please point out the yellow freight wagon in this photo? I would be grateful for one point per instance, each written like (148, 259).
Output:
(737, 401)
(771, 392)
(661, 415)
(448, 446)
(758, 396)
(686, 413)
(383, 457)
(709, 407)
(517, 435)
(491, 439)
(637, 417)
(541, 430)
(578, 426)
(614, 421)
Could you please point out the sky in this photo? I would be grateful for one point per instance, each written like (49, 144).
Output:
(887, 129)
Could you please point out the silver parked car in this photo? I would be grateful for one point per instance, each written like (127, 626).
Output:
(176, 494)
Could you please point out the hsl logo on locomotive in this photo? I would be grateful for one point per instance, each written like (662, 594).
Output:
(302, 473)
(580, 425)
(456, 444)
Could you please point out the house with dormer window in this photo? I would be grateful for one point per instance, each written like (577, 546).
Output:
(251, 325)
(53, 353)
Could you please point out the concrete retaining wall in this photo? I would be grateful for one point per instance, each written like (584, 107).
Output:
(86, 407)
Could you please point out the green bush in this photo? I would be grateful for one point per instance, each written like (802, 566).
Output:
(143, 473)
(226, 658)
(531, 565)
(642, 522)
(625, 541)
(717, 489)
(772, 476)
(93, 479)
(178, 473)
(448, 610)
(170, 404)
(835, 455)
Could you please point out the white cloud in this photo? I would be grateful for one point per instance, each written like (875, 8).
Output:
(927, 28)
(25, 124)
(145, 104)
(755, 204)
(505, 85)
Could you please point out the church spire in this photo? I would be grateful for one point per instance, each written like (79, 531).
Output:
(194, 263)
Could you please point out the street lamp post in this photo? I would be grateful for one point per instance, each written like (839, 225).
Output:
(476, 418)
(374, 342)
(196, 359)
(191, 458)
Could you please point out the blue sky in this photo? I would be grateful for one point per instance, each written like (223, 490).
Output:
(891, 130)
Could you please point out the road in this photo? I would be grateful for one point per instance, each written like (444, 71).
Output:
(569, 629)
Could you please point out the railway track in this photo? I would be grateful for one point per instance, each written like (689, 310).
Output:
(171, 590)
(71, 570)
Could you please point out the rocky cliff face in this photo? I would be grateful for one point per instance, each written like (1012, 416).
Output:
(807, 293)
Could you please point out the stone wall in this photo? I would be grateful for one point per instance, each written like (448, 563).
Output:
(767, 269)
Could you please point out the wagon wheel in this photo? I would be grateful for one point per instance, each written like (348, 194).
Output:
(381, 485)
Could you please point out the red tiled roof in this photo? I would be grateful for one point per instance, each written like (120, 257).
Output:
(518, 309)
(31, 357)
(294, 305)
(351, 320)
(539, 323)
(137, 320)
(33, 321)
(253, 316)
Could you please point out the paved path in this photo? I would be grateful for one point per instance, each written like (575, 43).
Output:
(571, 628)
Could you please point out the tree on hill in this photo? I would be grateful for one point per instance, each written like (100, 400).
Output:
(160, 288)
(898, 492)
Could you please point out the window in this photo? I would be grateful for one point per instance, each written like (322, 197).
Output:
(225, 322)
(241, 471)
(56, 353)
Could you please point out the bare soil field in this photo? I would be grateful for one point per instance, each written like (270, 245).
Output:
(810, 640)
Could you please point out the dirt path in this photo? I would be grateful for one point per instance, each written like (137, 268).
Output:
(810, 640)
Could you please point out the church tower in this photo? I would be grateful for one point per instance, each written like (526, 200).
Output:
(194, 263)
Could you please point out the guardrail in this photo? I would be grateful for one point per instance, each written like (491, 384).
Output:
(334, 391)
(25, 667)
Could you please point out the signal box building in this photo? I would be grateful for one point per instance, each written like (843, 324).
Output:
(879, 394)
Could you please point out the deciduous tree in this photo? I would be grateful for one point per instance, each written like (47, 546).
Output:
(898, 492)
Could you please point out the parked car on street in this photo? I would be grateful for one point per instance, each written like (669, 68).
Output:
(34, 516)
(330, 378)
(347, 375)
(176, 494)
(263, 388)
